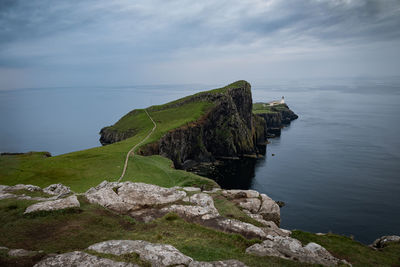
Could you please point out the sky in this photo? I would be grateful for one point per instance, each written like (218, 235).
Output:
(47, 43)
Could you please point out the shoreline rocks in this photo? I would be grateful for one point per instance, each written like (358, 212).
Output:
(290, 248)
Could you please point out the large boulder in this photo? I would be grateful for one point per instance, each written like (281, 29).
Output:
(256, 203)
(57, 190)
(290, 248)
(385, 240)
(128, 196)
(64, 203)
(270, 210)
(243, 228)
(156, 254)
(226, 263)
(78, 258)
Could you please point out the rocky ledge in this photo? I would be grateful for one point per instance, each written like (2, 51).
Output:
(146, 202)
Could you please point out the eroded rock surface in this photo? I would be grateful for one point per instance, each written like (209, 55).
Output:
(57, 190)
(78, 258)
(255, 203)
(290, 248)
(128, 196)
(227, 263)
(385, 240)
(156, 254)
(59, 204)
(21, 252)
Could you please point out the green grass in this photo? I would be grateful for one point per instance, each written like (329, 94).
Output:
(354, 252)
(222, 90)
(259, 108)
(84, 169)
(76, 229)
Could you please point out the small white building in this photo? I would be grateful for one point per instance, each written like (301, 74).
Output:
(274, 103)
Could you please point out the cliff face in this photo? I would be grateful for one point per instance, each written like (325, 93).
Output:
(228, 130)
(277, 119)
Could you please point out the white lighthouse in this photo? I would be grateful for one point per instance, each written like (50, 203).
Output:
(282, 100)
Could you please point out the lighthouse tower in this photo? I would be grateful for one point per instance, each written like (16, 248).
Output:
(282, 100)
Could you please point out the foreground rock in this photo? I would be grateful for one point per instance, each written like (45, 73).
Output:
(59, 204)
(57, 190)
(292, 249)
(127, 196)
(54, 191)
(78, 258)
(255, 203)
(227, 263)
(385, 240)
(155, 254)
(21, 253)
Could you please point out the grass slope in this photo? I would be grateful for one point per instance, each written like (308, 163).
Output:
(76, 229)
(83, 169)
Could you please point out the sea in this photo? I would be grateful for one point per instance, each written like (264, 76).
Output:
(336, 168)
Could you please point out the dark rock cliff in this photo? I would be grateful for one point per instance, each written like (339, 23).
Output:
(277, 119)
(229, 129)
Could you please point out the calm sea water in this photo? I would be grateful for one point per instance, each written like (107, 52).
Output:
(337, 167)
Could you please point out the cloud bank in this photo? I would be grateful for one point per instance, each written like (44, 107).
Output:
(101, 42)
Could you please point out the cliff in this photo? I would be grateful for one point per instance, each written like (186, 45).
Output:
(227, 129)
(230, 127)
(276, 117)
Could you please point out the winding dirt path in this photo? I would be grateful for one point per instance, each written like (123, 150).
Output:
(132, 151)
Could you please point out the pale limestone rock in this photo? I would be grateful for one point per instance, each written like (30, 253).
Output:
(108, 198)
(226, 263)
(146, 194)
(4, 195)
(57, 190)
(191, 211)
(64, 203)
(246, 229)
(21, 253)
(236, 193)
(204, 207)
(28, 187)
(156, 254)
(384, 240)
(251, 204)
(80, 259)
(191, 189)
(270, 210)
(290, 248)
(128, 196)
(270, 227)
(214, 190)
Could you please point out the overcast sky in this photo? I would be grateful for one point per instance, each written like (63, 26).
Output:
(101, 42)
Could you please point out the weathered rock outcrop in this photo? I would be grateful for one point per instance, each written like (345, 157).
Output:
(158, 255)
(277, 117)
(290, 248)
(56, 190)
(79, 258)
(59, 204)
(255, 203)
(385, 240)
